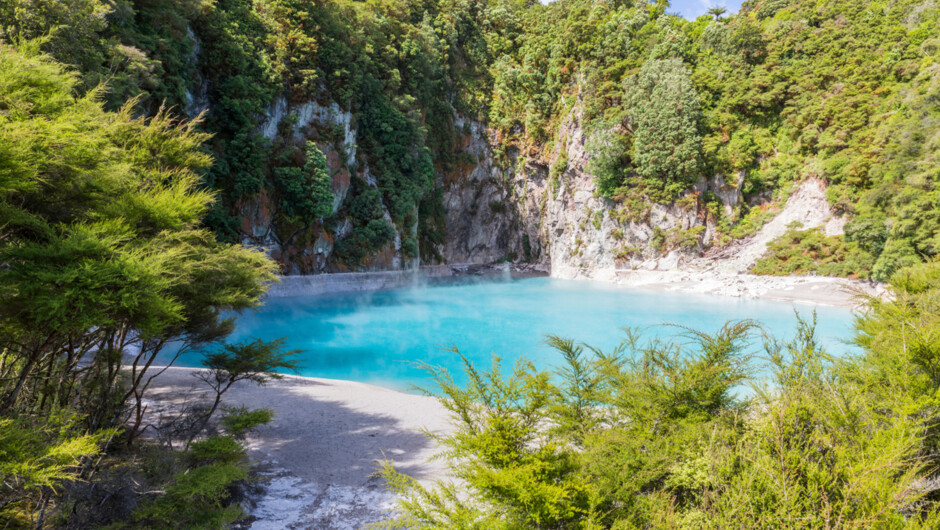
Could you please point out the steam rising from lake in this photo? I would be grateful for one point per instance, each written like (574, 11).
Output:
(377, 337)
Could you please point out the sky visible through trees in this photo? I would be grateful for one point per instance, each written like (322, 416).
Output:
(692, 9)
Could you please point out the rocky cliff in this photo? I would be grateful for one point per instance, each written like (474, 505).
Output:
(534, 207)
(506, 203)
(511, 209)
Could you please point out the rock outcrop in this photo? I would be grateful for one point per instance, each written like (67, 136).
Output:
(507, 209)
(539, 208)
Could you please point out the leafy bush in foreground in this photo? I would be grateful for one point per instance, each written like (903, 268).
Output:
(658, 434)
(104, 264)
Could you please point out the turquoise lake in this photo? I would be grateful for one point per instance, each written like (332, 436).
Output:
(376, 337)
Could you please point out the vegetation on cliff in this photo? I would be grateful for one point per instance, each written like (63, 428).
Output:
(784, 90)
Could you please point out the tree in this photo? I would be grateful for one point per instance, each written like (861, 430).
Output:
(105, 266)
(305, 192)
(607, 149)
(102, 246)
(665, 114)
(256, 361)
(717, 11)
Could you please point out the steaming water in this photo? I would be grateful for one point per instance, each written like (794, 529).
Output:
(377, 337)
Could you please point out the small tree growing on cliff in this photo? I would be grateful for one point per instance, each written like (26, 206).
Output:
(608, 152)
(305, 191)
(665, 113)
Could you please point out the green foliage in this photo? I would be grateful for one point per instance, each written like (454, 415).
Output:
(657, 436)
(557, 171)
(217, 449)
(199, 496)
(901, 335)
(38, 456)
(305, 191)
(522, 478)
(105, 264)
(70, 29)
(126, 253)
(240, 420)
(665, 113)
(756, 218)
(683, 239)
(608, 150)
(370, 230)
(432, 226)
(812, 252)
(257, 361)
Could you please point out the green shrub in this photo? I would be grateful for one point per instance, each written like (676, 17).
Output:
(607, 150)
(683, 239)
(216, 449)
(305, 192)
(240, 420)
(812, 252)
(557, 171)
(38, 457)
(197, 498)
(657, 434)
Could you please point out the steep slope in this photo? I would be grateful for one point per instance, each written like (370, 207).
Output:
(583, 134)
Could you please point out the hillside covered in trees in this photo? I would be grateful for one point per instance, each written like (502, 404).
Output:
(785, 90)
(149, 149)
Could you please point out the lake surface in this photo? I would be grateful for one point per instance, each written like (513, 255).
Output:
(377, 337)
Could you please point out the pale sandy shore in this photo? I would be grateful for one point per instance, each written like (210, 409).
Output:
(800, 289)
(322, 449)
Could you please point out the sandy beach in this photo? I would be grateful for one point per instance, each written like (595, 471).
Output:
(320, 453)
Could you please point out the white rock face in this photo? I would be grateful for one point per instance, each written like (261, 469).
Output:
(312, 114)
(579, 234)
(275, 113)
(807, 205)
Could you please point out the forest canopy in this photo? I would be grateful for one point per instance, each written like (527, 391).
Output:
(782, 91)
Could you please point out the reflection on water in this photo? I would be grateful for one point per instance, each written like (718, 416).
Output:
(377, 337)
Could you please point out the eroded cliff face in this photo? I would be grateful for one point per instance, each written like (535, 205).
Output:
(489, 216)
(589, 232)
(509, 207)
(309, 249)
(533, 207)
(512, 209)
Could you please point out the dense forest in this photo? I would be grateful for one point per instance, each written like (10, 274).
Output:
(783, 91)
(134, 132)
